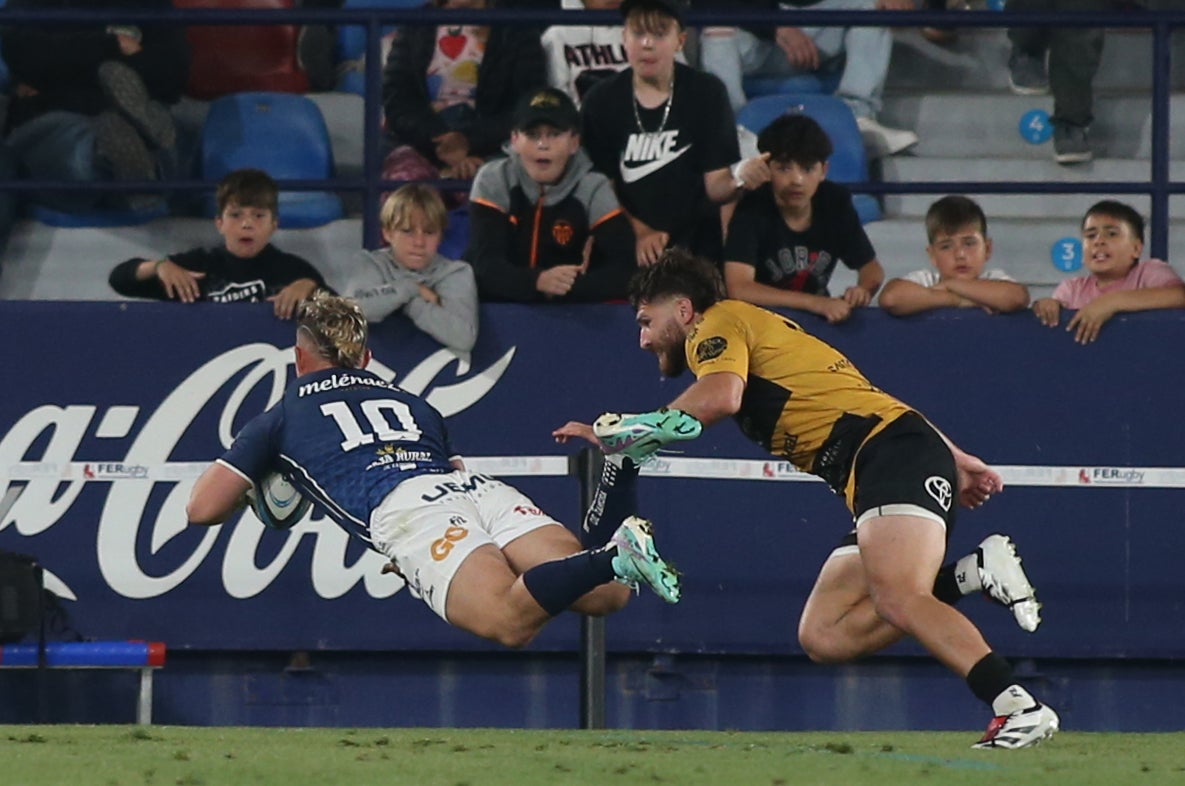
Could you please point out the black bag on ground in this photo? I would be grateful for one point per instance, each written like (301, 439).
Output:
(20, 597)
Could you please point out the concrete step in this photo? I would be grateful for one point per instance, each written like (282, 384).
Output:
(978, 60)
(970, 125)
(905, 169)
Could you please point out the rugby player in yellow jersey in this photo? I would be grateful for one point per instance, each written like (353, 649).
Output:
(802, 400)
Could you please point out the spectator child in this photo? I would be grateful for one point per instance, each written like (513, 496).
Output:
(437, 294)
(1112, 241)
(665, 134)
(786, 237)
(959, 249)
(448, 93)
(247, 268)
(543, 225)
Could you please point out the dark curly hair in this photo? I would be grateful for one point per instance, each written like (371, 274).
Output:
(678, 272)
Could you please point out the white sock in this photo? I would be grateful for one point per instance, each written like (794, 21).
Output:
(1012, 699)
(967, 574)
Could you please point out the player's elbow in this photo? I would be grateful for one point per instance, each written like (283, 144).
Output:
(202, 514)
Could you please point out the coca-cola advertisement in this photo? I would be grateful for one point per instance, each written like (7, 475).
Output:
(124, 405)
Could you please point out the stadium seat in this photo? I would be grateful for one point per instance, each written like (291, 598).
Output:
(351, 44)
(284, 135)
(456, 234)
(756, 86)
(849, 162)
(227, 59)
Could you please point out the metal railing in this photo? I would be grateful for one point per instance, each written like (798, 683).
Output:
(371, 184)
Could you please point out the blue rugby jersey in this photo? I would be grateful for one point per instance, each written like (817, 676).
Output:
(346, 438)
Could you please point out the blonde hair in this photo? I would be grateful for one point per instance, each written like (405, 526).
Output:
(401, 204)
(336, 327)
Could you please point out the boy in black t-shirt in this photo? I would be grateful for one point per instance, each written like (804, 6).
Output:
(665, 134)
(786, 237)
(246, 269)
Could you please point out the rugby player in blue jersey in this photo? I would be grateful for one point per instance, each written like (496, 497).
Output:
(378, 461)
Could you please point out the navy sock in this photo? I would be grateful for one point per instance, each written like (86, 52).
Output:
(616, 499)
(946, 587)
(558, 584)
(990, 677)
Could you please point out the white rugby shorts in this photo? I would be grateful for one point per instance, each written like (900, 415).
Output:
(429, 524)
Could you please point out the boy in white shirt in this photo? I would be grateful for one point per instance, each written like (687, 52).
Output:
(959, 250)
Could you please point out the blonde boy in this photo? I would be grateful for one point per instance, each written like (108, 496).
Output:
(409, 275)
(959, 250)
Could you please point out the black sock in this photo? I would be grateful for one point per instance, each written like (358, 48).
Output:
(990, 677)
(946, 588)
(558, 584)
(616, 498)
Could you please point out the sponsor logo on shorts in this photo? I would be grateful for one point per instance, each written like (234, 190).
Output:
(444, 489)
(524, 510)
(939, 488)
(442, 547)
(710, 348)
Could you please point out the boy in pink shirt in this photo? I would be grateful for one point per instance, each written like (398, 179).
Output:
(1112, 240)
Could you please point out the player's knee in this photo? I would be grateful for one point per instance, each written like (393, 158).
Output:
(821, 645)
(512, 635)
(893, 607)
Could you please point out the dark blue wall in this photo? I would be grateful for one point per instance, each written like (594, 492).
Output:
(1104, 559)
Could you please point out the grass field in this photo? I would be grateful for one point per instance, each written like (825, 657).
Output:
(167, 755)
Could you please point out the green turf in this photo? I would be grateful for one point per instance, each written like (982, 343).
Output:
(167, 755)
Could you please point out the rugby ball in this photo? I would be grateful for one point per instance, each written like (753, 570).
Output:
(276, 502)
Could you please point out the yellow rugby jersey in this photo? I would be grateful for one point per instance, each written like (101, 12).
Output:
(803, 401)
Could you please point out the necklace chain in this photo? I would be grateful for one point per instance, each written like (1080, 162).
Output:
(666, 112)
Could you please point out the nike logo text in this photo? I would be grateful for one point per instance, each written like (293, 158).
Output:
(655, 150)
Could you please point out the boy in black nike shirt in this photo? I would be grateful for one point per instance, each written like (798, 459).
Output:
(246, 269)
(666, 135)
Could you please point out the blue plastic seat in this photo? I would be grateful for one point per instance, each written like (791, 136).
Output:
(456, 234)
(825, 82)
(351, 43)
(281, 133)
(848, 163)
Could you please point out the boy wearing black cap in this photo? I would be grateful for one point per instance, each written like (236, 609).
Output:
(544, 227)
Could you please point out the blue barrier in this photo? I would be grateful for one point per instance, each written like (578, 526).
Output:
(141, 656)
(107, 431)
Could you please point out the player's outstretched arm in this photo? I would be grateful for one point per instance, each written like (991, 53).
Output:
(216, 495)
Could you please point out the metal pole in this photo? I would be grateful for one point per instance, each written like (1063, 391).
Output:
(587, 468)
(1161, 70)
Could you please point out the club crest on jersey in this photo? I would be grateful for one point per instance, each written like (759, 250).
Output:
(562, 232)
(711, 348)
(939, 489)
